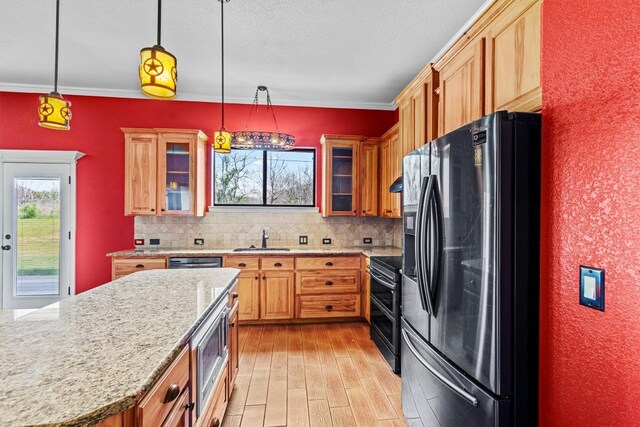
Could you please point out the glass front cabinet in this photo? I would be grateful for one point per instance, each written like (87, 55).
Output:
(165, 172)
(350, 182)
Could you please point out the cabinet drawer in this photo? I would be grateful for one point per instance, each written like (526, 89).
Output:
(125, 266)
(319, 306)
(218, 401)
(321, 263)
(242, 262)
(277, 263)
(180, 415)
(156, 405)
(328, 282)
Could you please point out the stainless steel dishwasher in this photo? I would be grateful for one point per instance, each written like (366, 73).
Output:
(195, 262)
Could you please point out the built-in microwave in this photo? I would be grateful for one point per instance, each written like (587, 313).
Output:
(210, 345)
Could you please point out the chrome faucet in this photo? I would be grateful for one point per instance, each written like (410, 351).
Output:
(265, 236)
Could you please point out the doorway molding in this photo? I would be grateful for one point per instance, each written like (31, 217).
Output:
(51, 157)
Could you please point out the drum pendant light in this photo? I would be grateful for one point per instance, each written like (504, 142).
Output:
(158, 68)
(54, 111)
(222, 137)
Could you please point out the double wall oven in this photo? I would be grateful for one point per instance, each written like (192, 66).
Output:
(385, 289)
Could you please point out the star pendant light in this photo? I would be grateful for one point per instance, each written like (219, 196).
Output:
(54, 111)
(158, 68)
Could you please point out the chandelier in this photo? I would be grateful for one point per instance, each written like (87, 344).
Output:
(248, 139)
(54, 111)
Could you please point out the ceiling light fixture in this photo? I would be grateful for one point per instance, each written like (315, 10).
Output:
(222, 137)
(54, 111)
(158, 68)
(260, 139)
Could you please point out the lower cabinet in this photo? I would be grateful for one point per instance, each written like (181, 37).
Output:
(234, 349)
(214, 411)
(165, 396)
(327, 306)
(123, 266)
(249, 291)
(180, 415)
(276, 295)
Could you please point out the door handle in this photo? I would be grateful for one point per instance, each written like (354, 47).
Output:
(427, 268)
(418, 242)
(6, 247)
(454, 387)
(328, 283)
(438, 246)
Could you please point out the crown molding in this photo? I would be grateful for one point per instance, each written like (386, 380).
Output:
(135, 94)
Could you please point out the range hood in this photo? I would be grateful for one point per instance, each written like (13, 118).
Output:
(396, 187)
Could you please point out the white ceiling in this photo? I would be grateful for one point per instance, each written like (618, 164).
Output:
(349, 53)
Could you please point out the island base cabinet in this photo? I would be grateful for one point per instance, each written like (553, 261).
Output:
(180, 415)
(154, 408)
(234, 349)
(215, 409)
(122, 419)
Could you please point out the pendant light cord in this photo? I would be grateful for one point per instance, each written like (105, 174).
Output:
(159, 20)
(222, 51)
(55, 74)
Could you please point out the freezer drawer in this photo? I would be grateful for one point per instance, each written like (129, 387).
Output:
(435, 393)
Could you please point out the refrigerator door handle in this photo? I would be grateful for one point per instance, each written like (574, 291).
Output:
(437, 246)
(418, 244)
(470, 398)
(425, 223)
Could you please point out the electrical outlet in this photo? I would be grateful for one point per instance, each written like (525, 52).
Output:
(154, 241)
(138, 242)
(303, 240)
(367, 240)
(326, 241)
(198, 242)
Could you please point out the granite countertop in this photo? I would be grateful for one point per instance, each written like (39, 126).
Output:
(90, 356)
(361, 250)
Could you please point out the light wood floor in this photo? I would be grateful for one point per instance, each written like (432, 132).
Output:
(313, 375)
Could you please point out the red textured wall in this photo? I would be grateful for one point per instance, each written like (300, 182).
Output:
(590, 360)
(95, 130)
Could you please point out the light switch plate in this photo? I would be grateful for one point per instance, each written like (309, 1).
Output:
(592, 287)
(303, 240)
(367, 240)
(154, 241)
(138, 242)
(326, 241)
(198, 241)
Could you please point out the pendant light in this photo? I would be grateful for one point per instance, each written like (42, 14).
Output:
(249, 139)
(158, 72)
(222, 137)
(54, 111)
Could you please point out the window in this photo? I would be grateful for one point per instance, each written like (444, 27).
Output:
(265, 178)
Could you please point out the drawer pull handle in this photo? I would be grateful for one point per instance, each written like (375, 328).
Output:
(328, 307)
(172, 393)
(328, 283)
(215, 422)
(328, 264)
(234, 295)
(277, 264)
(139, 265)
(242, 264)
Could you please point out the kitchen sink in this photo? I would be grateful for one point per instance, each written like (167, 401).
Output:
(259, 249)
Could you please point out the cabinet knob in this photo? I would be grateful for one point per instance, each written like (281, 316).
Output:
(190, 406)
(242, 264)
(328, 283)
(354, 211)
(215, 422)
(257, 277)
(139, 265)
(172, 393)
(153, 210)
(264, 277)
(328, 307)
(328, 264)
(162, 210)
(277, 264)
(234, 295)
(232, 324)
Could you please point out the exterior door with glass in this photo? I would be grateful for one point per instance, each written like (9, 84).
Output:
(36, 234)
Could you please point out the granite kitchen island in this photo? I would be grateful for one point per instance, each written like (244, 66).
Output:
(97, 354)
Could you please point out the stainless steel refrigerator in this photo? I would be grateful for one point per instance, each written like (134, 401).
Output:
(470, 275)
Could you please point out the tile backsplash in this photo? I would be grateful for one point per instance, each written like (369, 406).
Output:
(231, 229)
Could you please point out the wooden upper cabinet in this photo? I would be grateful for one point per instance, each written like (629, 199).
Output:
(396, 172)
(385, 177)
(140, 173)
(369, 177)
(461, 87)
(406, 120)
(350, 182)
(165, 172)
(512, 72)
(390, 169)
